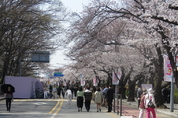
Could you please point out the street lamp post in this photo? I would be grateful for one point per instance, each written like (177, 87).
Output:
(172, 96)
(174, 54)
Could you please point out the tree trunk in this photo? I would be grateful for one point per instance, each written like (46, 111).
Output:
(131, 89)
(4, 70)
(158, 88)
(159, 75)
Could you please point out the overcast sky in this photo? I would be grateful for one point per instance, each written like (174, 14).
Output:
(58, 59)
(75, 5)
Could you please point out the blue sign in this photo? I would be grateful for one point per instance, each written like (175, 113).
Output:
(52, 77)
(58, 74)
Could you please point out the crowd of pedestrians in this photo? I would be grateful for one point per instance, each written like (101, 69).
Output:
(54, 92)
(103, 97)
(98, 95)
(84, 95)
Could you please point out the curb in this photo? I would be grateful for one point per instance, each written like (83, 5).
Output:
(167, 113)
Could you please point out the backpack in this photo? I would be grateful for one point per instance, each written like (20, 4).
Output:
(150, 103)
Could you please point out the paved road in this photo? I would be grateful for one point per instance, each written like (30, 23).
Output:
(50, 108)
(58, 108)
(28, 109)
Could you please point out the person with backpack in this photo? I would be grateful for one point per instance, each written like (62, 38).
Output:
(150, 104)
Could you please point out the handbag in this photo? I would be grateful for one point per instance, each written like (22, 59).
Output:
(150, 104)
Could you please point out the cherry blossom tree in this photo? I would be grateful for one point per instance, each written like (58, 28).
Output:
(27, 26)
(154, 19)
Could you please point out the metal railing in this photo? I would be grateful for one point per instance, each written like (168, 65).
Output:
(117, 106)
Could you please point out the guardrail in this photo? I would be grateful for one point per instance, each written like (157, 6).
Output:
(117, 104)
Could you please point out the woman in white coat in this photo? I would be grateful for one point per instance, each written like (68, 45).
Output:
(69, 95)
(98, 99)
(150, 97)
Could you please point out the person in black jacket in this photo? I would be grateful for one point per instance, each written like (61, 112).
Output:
(59, 89)
(139, 93)
(166, 93)
(109, 97)
(9, 97)
(50, 91)
(88, 97)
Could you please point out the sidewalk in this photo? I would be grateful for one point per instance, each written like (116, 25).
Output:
(131, 108)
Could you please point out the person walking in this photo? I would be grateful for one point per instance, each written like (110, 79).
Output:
(139, 93)
(93, 93)
(54, 91)
(50, 91)
(45, 93)
(80, 95)
(59, 89)
(104, 91)
(9, 98)
(72, 90)
(142, 105)
(75, 91)
(149, 97)
(63, 92)
(69, 95)
(88, 98)
(98, 99)
(109, 97)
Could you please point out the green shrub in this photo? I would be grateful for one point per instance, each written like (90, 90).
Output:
(176, 95)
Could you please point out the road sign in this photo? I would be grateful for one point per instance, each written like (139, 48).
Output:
(58, 74)
(40, 56)
(52, 77)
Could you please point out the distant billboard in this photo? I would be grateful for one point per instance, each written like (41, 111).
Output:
(40, 56)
